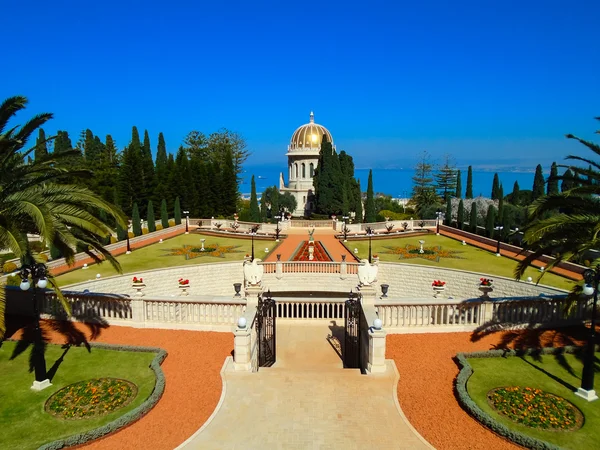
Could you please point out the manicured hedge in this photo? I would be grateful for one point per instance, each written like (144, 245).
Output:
(471, 407)
(131, 416)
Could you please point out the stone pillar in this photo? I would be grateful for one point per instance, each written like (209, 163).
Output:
(137, 310)
(343, 268)
(252, 293)
(369, 294)
(242, 348)
(279, 269)
(377, 339)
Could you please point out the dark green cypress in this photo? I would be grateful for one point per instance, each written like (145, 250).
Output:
(254, 209)
(177, 211)
(358, 209)
(568, 181)
(136, 222)
(538, 183)
(370, 213)
(469, 191)
(41, 146)
(448, 217)
(500, 204)
(490, 221)
(516, 193)
(473, 218)
(121, 233)
(458, 193)
(460, 219)
(164, 214)
(553, 180)
(228, 183)
(151, 217)
(495, 187)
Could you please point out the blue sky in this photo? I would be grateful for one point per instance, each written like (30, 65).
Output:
(490, 82)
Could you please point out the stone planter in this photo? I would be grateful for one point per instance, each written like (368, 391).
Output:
(485, 291)
(384, 290)
(139, 287)
(184, 289)
(437, 290)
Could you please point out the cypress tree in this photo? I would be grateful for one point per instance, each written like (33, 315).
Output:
(473, 218)
(469, 191)
(164, 215)
(490, 221)
(151, 217)
(460, 219)
(55, 252)
(177, 211)
(131, 187)
(553, 180)
(500, 204)
(538, 183)
(41, 147)
(161, 170)
(458, 193)
(147, 167)
(495, 187)
(328, 180)
(121, 233)
(568, 182)
(254, 209)
(370, 213)
(136, 223)
(91, 152)
(448, 216)
(358, 209)
(229, 190)
(515, 193)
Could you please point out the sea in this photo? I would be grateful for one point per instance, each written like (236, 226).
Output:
(394, 182)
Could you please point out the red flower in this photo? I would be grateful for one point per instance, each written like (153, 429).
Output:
(486, 281)
(438, 283)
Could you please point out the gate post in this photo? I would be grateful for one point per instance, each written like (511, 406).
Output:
(242, 342)
(377, 340)
(279, 269)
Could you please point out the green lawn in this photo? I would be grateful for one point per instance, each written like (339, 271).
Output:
(490, 373)
(157, 256)
(23, 421)
(471, 258)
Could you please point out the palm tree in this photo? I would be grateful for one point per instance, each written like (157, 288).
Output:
(34, 200)
(566, 224)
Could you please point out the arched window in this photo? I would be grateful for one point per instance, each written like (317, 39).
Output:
(303, 170)
(312, 170)
(296, 167)
(290, 177)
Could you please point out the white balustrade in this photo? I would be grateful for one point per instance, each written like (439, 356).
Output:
(286, 308)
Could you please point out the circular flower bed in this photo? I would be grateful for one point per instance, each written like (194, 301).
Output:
(91, 398)
(535, 408)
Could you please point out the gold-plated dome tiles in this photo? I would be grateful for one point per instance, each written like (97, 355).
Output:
(309, 136)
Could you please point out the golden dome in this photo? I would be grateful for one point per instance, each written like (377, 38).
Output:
(309, 136)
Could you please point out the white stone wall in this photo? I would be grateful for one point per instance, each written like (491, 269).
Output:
(205, 279)
(414, 281)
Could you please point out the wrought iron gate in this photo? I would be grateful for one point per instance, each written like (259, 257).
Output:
(353, 315)
(265, 330)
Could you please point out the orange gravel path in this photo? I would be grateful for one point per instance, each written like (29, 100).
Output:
(295, 236)
(193, 384)
(426, 387)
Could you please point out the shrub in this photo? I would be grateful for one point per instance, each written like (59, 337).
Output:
(9, 267)
(145, 231)
(13, 280)
(130, 234)
(37, 246)
(171, 222)
(113, 239)
(44, 257)
(159, 227)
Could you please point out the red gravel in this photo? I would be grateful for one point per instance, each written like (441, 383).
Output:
(193, 387)
(427, 373)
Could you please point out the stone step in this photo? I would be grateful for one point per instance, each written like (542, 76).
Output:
(309, 371)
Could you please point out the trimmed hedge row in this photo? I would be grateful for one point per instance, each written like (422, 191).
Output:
(131, 416)
(471, 407)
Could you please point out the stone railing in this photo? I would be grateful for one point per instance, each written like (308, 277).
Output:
(449, 315)
(281, 267)
(302, 308)
(112, 308)
(381, 227)
(298, 223)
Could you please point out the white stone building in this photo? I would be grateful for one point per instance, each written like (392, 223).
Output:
(303, 156)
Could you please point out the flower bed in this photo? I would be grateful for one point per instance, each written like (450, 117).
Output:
(535, 408)
(91, 398)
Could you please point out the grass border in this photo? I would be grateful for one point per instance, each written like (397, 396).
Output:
(484, 418)
(127, 418)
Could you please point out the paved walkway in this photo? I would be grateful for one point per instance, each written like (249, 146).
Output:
(295, 236)
(513, 255)
(307, 401)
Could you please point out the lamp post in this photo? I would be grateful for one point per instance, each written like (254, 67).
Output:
(187, 222)
(345, 228)
(498, 229)
(37, 272)
(128, 245)
(591, 277)
(438, 213)
(253, 231)
(370, 233)
(277, 230)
